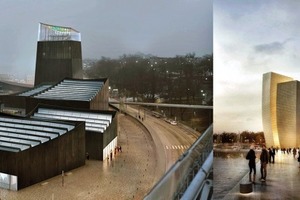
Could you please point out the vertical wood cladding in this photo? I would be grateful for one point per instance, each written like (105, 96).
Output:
(96, 142)
(57, 60)
(100, 101)
(46, 160)
(31, 103)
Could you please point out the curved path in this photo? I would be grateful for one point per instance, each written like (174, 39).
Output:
(170, 140)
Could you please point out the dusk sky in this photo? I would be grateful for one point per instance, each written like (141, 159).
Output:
(108, 28)
(251, 37)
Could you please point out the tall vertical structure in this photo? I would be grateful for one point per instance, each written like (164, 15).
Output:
(288, 113)
(58, 54)
(269, 106)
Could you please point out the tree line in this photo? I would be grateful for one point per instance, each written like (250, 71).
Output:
(243, 137)
(181, 79)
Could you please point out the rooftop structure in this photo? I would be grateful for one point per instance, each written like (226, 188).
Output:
(100, 127)
(32, 150)
(20, 134)
(58, 54)
(34, 90)
(49, 32)
(73, 90)
(97, 122)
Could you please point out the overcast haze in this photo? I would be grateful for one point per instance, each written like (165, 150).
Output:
(108, 28)
(250, 39)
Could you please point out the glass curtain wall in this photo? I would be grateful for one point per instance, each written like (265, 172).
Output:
(49, 32)
(8, 181)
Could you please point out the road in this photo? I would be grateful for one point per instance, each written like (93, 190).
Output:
(170, 140)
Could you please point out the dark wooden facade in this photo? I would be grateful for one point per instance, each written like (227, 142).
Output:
(56, 60)
(99, 102)
(46, 160)
(96, 142)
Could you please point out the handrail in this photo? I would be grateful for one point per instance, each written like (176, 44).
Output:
(198, 182)
(173, 184)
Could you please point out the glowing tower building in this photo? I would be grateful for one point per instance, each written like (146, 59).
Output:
(58, 54)
(272, 108)
(288, 113)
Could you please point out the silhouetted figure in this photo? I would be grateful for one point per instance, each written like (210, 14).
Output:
(299, 158)
(264, 158)
(270, 154)
(252, 165)
(294, 152)
(273, 152)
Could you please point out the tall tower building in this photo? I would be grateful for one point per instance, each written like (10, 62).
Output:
(288, 113)
(269, 106)
(58, 54)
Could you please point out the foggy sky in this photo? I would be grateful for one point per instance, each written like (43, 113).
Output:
(251, 37)
(108, 28)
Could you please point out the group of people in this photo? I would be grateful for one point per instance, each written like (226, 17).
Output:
(265, 158)
(110, 155)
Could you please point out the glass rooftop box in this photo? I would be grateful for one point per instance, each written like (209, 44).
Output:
(49, 32)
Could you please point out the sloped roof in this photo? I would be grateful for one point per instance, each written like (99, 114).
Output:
(97, 122)
(70, 89)
(34, 90)
(18, 134)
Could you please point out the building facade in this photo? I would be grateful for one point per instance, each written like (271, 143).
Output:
(270, 106)
(288, 115)
(67, 117)
(100, 127)
(33, 150)
(58, 54)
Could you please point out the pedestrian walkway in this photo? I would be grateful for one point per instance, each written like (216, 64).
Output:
(282, 182)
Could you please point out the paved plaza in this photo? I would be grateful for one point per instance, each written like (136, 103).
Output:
(130, 175)
(282, 182)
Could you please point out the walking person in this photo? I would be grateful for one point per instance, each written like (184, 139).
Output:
(111, 155)
(273, 154)
(299, 158)
(294, 152)
(270, 154)
(264, 158)
(252, 165)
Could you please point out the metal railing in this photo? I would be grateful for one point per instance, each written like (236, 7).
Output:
(196, 162)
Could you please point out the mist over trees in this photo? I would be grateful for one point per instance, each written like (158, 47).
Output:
(181, 79)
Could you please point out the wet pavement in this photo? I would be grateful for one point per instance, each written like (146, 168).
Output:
(282, 182)
(130, 175)
(227, 172)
